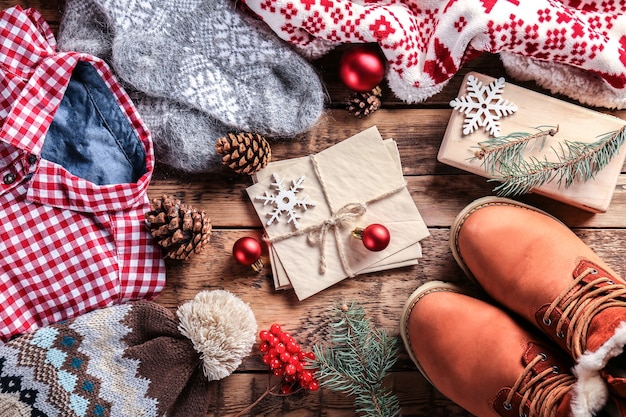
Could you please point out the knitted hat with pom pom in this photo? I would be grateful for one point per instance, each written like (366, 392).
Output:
(136, 359)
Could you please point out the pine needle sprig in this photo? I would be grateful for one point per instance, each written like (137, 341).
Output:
(576, 161)
(357, 362)
(510, 148)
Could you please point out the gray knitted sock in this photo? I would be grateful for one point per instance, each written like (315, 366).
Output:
(85, 29)
(197, 54)
(188, 131)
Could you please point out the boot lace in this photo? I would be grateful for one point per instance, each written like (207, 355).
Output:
(582, 305)
(545, 393)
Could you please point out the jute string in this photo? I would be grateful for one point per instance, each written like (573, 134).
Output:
(317, 234)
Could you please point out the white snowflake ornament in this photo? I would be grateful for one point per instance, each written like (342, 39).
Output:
(285, 200)
(483, 106)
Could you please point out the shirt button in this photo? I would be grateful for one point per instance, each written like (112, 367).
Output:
(9, 178)
(32, 159)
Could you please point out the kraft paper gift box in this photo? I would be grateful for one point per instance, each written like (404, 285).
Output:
(575, 123)
(354, 183)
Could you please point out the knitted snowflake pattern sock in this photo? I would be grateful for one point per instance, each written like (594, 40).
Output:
(184, 133)
(207, 57)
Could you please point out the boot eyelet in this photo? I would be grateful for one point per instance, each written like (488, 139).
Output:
(547, 321)
(556, 370)
(594, 271)
(560, 335)
(507, 406)
(544, 357)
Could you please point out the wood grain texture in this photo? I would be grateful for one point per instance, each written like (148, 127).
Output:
(439, 191)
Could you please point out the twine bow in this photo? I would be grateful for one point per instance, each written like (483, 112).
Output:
(317, 233)
(336, 222)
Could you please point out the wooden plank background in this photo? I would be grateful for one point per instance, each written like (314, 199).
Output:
(439, 191)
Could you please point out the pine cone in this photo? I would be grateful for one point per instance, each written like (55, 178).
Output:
(364, 104)
(179, 229)
(244, 153)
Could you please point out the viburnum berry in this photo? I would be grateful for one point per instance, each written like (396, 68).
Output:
(285, 337)
(275, 329)
(306, 376)
(275, 363)
(293, 346)
(286, 359)
(313, 385)
(290, 369)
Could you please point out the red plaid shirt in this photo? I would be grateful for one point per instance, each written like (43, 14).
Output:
(67, 245)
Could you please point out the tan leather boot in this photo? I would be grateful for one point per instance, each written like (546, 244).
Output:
(483, 359)
(534, 265)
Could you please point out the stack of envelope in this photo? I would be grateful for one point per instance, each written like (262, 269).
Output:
(309, 207)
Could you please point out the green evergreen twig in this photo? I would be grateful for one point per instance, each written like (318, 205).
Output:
(357, 361)
(510, 148)
(575, 161)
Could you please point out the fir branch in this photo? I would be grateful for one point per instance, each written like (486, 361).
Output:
(576, 161)
(510, 148)
(357, 362)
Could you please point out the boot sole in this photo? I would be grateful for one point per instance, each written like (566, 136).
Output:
(474, 206)
(423, 290)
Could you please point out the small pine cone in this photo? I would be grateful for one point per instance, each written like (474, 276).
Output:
(364, 104)
(244, 153)
(178, 228)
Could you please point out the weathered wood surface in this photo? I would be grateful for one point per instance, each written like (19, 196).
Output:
(439, 192)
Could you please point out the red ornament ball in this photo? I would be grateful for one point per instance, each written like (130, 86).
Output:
(362, 68)
(375, 237)
(247, 250)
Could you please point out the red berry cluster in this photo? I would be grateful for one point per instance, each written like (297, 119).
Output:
(285, 358)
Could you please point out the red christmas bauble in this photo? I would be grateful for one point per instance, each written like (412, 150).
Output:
(375, 237)
(247, 250)
(362, 68)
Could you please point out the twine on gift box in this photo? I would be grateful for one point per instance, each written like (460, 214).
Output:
(338, 219)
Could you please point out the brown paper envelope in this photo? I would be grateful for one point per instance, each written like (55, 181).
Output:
(405, 257)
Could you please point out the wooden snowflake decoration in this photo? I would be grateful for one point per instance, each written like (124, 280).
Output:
(285, 200)
(483, 106)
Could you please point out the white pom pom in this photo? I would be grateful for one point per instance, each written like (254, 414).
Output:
(222, 328)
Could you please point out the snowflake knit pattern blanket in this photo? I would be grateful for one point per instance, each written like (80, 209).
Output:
(571, 47)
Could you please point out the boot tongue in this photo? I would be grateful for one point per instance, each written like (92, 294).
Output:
(606, 332)
(565, 407)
